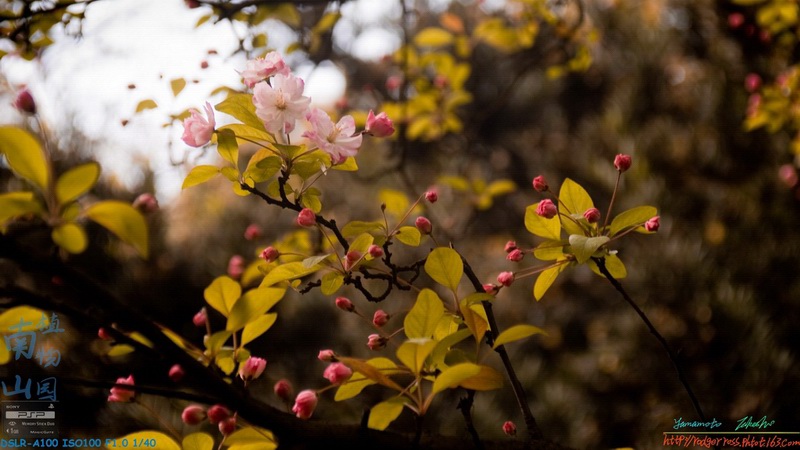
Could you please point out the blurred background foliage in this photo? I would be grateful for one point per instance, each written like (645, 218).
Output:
(662, 80)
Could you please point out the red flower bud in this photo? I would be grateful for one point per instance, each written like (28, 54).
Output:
(218, 413)
(375, 251)
(376, 342)
(345, 304)
(432, 196)
(270, 254)
(515, 255)
(592, 215)
(622, 162)
(252, 232)
(176, 373)
(227, 426)
(193, 414)
(653, 224)
(547, 209)
(423, 225)
(509, 428)
(505, 278)
(283, 389)
(306, 218)
(199, 319)
(24, 102)
(380, 318)
(540, 184)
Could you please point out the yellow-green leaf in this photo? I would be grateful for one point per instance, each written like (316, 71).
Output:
(444, 265)
(15, 204)
(217, 340)
(574, 197)
(288, 271)
(227, 147)
(359, 381)
(199, 175)
(584, 247)
(385, 412)
(631, 218)
(251, 438)
(545, 280)
(257, 327)
(177, 85)
(424, 316)
(549, 250)
(409, 236)
(120, 350)
(373, 372)
(516, 333)
(240, 106)
(222, 293)
(413, 353)
(331, 283)
(146, 104)
(453, 376)
(76, 182)
(162, 441)
(357, 227)
(71, 237)
(433, 37)
(443, 346)
(25, 155)
(486, 380)
(225, 362)
(540, 226)
(122, 219)
(198, 441)
(23, 318)
(614, 265)
(251, 305)
(476, 323)
(396, 202)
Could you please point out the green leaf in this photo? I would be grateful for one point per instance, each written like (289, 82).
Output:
(476, 323)
(251, 305)
(257, 327)
(409, 236)
(71, 237)
(584, 247)
(198, 441)
(633, 217)
(359, 381)
(251, 438)
(331, 283)
(486, 380)
(76, 182)
(424, 316)
(549, 250)
(453, 376)
(574, 197)
(312, 261)
(413, 353)
(222, 293)
(357, 227)
(374, 372)
(240, 106)
(385, 412)
(177, 85)
(15, 204)
(146, 104)
(227, 147)
(199, 175)
(217, 340)
(288, 271)
(614, 265)
(516, 333)
(120, 350)
(362, 242)
(263, 166)
(433, 37)
(540, 226)
(163, 441)
(122, 219)
(24, 155)
(545, 280)
(444, 345)
(445, 266)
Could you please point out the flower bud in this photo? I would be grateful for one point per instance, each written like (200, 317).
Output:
(121, 394)
(199, 319)
(218, 413)
(252, 232)
(283, 389)
(540, 184)
(176, 373)
(752, 82)
(505, 278)
(490, 288)
(227, 426)
(380, 318)
(351, 258)
(653, 224)
(24, 102)
(735, 20)
(375, 251)
(193, 414)
(270, 254)
(380, 125)
(510, 246)
(423, 225)
(252, 368)
(592, 215)
(337, 373)
(376, 342)
(103, 334)
(304, 404)
(345, 304)
(236, 267)
(432, 196)
(547, 209)
(515, 255)
(146, 203)
(306, 218)
(509, 428)
(192, 4)
(788, 174)
(327, 355)
(622, 162)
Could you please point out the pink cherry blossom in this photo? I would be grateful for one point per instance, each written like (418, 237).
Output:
(262, 68)
(304, 404)
(339, 140)
(337, 373)
(252, 368)
(120, 394)
(380, 125)
(281, 102)
(197, 130)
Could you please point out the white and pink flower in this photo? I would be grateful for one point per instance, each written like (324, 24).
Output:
(259, 69)
(338, 140)
(197, 130)
(280, 103)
